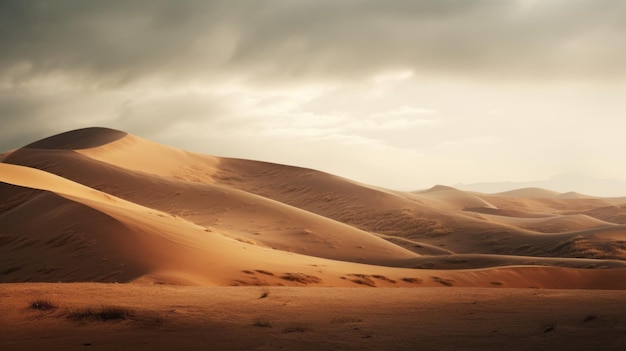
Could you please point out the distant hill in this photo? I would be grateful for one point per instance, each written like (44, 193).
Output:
(561, 183)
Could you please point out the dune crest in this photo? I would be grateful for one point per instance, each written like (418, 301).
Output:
(79, 139)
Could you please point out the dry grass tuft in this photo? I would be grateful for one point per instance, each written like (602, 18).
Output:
(344, 320)
(295, 329)
(43, 305)
(264, 293)
(590, 318)
(261, 323)
(382, 277)
(363, 279)
(443, 281)
(301, 278)
(104, 313)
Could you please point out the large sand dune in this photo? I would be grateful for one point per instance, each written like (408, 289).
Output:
(100, 205)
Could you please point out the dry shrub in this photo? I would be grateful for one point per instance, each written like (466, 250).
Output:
(295, 329)
(382, 277)
(443, 281)
(301, 278)
(363, 279)
(43, 304)
(104, 313)
(344, 320)
(264, 293)
(590, 318)
(262, 323)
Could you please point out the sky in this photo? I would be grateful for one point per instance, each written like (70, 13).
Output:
(399, 94)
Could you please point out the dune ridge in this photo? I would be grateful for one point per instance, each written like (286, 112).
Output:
(125, 209)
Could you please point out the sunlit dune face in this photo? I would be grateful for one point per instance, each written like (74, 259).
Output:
(161, 214)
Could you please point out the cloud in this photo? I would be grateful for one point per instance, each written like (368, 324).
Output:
(354, 81)
(121, 42)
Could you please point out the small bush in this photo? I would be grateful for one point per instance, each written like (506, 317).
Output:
(590, 318)
(295, 329)
(382, 277)
(43, 305)
(301, 278)
(343, 320)
(104, 313)
(262, 323)
(363, 279)
(412, 280)
(442, 281)
(366, 282)
(265, 293)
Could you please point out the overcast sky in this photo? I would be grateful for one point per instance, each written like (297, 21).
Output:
(401, 94)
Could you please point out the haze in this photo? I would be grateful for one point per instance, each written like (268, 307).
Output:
(401, 94)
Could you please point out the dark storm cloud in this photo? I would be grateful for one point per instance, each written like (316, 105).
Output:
(69, 64)
(122, 41)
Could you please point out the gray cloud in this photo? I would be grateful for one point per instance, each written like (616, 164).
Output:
(118, 42)
(241, 77)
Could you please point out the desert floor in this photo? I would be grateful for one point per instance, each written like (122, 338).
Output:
(164, 317)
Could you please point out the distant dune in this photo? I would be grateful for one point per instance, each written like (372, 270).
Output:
(564, 183)
(100, 205)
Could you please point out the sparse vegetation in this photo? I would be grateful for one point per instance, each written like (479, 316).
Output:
(265, 293)
(382, 277)
(104, 313)
(261, 323)
(264, 272)
(443, 281)
(344, 320)
(301, 278)
(411, 280)
(295, 329)
(590, 318)
(43, 304)
(367, 282)
(497, 283)
(363, 279)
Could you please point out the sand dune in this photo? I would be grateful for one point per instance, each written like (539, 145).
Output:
(103, 205)
(452, 198)
(530, 192)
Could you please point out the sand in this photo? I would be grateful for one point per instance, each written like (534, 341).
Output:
(236, 318)
(196, 239)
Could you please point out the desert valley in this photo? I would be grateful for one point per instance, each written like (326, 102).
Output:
(111, 241)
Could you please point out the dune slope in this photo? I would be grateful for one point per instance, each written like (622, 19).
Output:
(102, 205)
